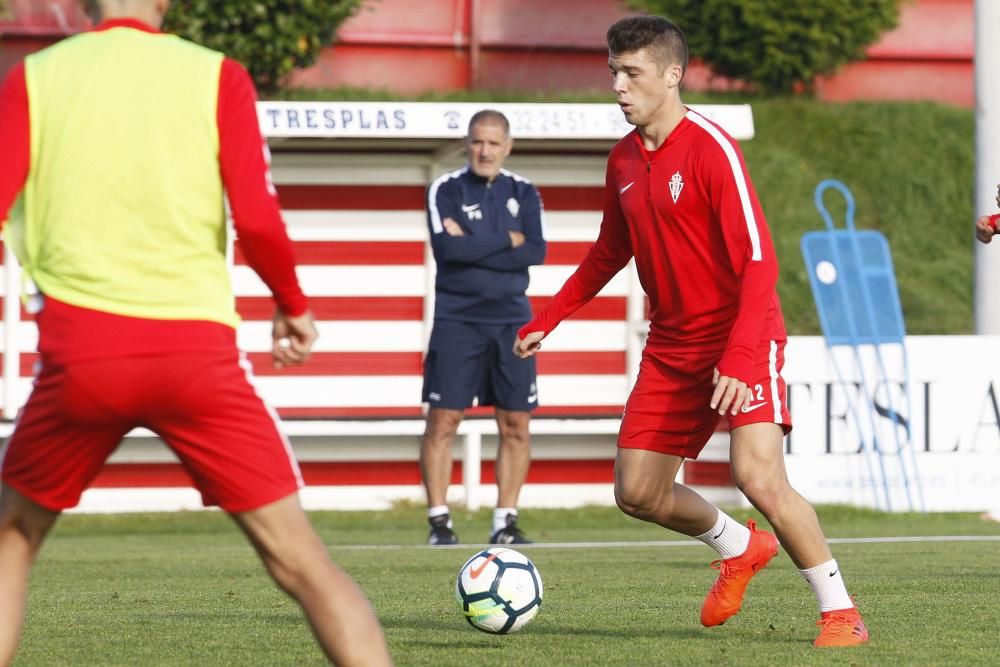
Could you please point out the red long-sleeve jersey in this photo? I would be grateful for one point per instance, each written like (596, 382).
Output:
(73, 333)
(689, 215)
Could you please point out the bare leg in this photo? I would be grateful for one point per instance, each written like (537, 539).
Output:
(23, 526)
(645, 488)
(337, 610)
(514, 455)
(759, 471)
(435, 453)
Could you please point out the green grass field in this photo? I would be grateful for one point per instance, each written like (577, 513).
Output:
(185, 589)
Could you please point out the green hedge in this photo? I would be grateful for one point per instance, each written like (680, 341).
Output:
(270, 37)
(777, 44)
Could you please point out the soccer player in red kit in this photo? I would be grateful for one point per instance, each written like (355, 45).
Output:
(122, 141)
(678, 198)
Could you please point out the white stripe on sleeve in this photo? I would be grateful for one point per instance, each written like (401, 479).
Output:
(738, 176)
(432, 207)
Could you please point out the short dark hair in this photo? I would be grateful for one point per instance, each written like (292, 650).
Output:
(664, 40)
(490, 116)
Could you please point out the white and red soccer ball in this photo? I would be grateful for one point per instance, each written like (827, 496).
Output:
(499, 590)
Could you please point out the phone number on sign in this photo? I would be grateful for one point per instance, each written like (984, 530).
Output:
(600, 122)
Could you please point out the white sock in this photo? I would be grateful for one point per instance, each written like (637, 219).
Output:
(728, 537)
(500, 517)
(438, 510)
(828, 585)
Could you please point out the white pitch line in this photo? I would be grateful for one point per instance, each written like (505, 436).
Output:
(665, 543)
(915, 538)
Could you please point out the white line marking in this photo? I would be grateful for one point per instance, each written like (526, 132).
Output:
(667, 543)
(915, 538)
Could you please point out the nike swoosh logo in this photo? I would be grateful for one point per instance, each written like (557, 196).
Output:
(715, 537)
(625, 189)
(834, 573)
(466, 209)
(532, 398)
(751, 408)
(476, 571)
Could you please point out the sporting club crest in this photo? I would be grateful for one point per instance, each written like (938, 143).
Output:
(513, 207)
(676, 185)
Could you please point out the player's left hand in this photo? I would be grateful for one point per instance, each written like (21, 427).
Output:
(452, 227)
(730, 394)
(986, 228)
(529, 345)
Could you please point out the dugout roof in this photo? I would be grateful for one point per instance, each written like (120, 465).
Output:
(436, 129)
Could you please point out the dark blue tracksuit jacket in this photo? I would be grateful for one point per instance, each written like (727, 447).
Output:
(480, 277)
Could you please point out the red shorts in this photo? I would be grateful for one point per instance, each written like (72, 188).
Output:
(201, 404)
(668, 409)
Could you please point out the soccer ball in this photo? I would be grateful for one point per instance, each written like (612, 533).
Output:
(499, 590)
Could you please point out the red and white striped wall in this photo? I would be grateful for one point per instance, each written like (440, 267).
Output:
(371, 279)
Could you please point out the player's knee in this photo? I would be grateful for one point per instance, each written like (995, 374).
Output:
(625, 504)
(291, 550)
(293, 568)
(641, 502)
(516, 438)
(29, 523)
(761, 493)
(513, 424)
(14, 531)
(287, 578)
(634, 507)
(442, 424)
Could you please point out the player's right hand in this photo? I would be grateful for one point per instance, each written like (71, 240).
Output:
(730, 394)
(292, 338)
(529, 345)
(986, 228)
(516, 239)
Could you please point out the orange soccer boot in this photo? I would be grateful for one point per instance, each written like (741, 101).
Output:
(726, 596)
(841, 627)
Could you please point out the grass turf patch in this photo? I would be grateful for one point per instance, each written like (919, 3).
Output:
(182, 589)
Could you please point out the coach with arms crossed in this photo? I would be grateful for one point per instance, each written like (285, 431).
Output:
(121, 141)
(486, 230)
